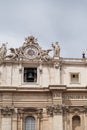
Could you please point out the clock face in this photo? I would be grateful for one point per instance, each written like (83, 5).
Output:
(31, 52)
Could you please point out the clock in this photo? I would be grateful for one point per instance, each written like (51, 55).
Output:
(31, 52)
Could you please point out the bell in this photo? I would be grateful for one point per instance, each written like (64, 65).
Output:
(30, 75)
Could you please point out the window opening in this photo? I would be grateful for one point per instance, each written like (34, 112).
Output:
(30, 123)
(30, 74)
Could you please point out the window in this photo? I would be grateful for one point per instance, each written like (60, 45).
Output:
(74, 77)
(30, 123)
(76, 123)
(30, 74)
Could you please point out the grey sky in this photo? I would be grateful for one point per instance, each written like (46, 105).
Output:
(48, 20)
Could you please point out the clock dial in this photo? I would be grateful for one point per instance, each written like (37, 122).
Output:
(31, 52)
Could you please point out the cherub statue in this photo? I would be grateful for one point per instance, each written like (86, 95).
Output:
(3, 51)
(56, 49)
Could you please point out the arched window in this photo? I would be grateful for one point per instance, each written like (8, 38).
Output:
(30, 123)
(76, 123)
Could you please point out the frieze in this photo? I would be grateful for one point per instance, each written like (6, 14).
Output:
(57, 94)
(75, 96)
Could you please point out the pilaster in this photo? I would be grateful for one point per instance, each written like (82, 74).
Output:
(44, 120)
(7, 113)
(55, 111)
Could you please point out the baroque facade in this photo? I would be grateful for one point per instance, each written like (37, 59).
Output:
(41, 92)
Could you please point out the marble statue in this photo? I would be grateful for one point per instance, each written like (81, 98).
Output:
(3, 51)
(56, 49)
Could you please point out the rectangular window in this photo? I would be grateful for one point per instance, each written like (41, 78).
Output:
(74, 77)
(30, 74)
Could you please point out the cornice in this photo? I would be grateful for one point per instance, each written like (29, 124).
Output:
(57, 87)
(50, 88)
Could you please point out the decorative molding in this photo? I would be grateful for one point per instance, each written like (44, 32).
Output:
(57, 94)
(54, 110)
(7, 111)
(39, 113)
(36, 111)
(20, 113)
(57, 65)
(30, 50)
(74, 109)
(74, 96)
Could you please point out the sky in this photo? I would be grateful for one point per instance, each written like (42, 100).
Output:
(49, 21)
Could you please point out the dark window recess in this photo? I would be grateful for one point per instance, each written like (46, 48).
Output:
(30, 74)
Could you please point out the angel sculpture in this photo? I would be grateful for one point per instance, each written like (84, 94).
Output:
(13, 53)
(3, 51)
(44, 54)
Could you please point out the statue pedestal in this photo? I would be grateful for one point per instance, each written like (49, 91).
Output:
(56, 57)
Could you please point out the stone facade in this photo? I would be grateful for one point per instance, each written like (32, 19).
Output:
(49, 90)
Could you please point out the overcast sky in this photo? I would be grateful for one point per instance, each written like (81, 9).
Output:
(64, 21)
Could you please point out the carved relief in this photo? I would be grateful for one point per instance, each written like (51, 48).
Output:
(50, 110)
(30, 40)
(29, 50)
(75, 109)
(39, 113)
(57, 94)
(54, 110)
(57, 65)
(32, 111)
(74, 96)
(14, 54)
(7, 111)
(20, 112)
(44, 55)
